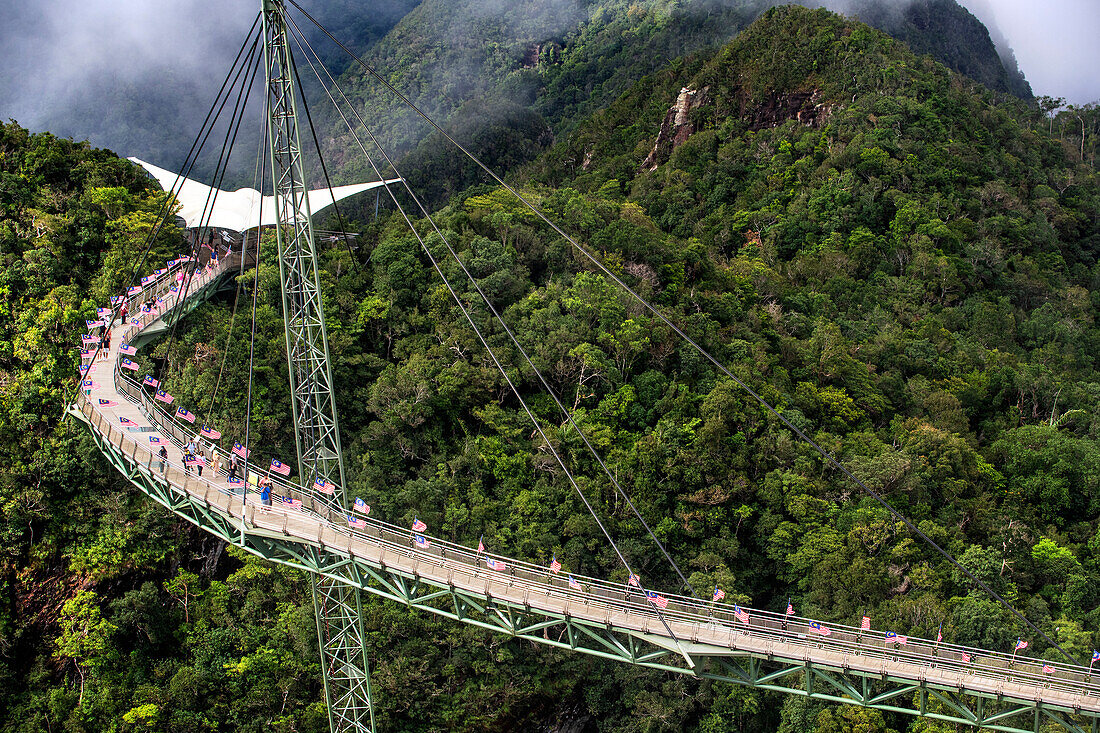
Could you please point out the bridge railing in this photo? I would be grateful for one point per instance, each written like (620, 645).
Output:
(603, 596)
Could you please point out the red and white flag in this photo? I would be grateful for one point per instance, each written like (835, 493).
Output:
(555, 566)
(325, 487)
(497, 565)
(280, 468)
(126, 363)
(182, 414)
(865, 624)
(240, 450)
(419, 526)
(740, 613)
(164, 397)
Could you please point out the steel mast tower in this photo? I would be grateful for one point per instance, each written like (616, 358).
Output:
(344, 666)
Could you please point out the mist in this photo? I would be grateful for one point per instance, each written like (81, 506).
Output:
(138, 77)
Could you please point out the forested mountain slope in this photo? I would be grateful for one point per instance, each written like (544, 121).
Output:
(500, 71)
(890, 256)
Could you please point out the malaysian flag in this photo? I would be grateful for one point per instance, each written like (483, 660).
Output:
(164, 397)
(865, 624)
(127, 363)
(240, 450)
(86, 353)
(107, 403)
(965, 656)
(419, 526)
(192, 460)
(574, 584)
(126, 349)
(175, 288)
(150, 382)
(555, 566)
(93, 324)
(154, 439)
(89, 384)
(892, 638)
(134, 290)
(208, 432)
(495, 564)
(939, 633)
(356, 522)
(101, 312)
(89, 340)
(292, 503)
(1047, 669)
(1020, 644)
(147, 279)
(740, 613)
(233, 480)
(361, 506)
(1095, 656)
(125, 420)
(86, 370)
(481, 545)
(790, 608)
(817, 628)
(421, 541)
(183, 414)
(159, 272)
(280, 468)
(634, 580)
(719, 594)
(324, 486)
(658, 600)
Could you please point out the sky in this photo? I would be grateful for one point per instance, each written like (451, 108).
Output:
(61, 57)
(1056, 42)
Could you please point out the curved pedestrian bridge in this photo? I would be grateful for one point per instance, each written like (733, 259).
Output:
(305, 529)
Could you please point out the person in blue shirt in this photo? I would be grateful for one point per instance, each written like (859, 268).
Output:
(265, 491)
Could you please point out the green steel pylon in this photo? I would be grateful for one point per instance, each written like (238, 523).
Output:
(338, 607)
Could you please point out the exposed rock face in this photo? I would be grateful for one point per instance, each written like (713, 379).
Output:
(676, 127)
(805, 107)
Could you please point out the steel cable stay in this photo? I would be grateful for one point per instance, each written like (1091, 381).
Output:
(828, 457)
(256, 178)
(188, 163)
(500, 367)
(220, 170)
(568, 415)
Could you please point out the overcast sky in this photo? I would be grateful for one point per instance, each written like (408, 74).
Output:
(55, 49)
(1057, 43)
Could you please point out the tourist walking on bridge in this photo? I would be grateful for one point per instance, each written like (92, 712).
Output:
(163, 459)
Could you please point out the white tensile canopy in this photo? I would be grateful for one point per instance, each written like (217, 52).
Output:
(240, 210)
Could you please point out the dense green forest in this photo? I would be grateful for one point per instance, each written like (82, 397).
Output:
(901, 260)
(490, 70)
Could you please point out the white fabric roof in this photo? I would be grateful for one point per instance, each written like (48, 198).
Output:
(241, 209)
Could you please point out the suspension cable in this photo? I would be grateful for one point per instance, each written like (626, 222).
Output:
(235, 120)
(832, 461)
(497, 316)
(257, 185)
(500, 367)
(165, 207)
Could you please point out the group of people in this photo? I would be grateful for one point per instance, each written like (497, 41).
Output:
(199, 453)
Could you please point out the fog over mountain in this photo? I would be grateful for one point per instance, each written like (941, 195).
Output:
(138, 77)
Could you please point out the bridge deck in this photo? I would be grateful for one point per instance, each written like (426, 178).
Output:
(691, 628)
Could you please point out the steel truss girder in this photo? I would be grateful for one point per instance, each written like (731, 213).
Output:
(765, 672)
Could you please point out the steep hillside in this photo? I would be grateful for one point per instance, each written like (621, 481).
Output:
(888, 254)
(565, 61)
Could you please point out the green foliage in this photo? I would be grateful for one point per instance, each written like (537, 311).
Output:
(906, 276)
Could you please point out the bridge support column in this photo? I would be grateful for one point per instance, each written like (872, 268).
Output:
(346, 672)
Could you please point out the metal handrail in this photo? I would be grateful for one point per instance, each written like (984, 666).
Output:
(598, 593)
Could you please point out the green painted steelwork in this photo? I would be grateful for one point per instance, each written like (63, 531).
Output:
(338, 609)
(773, 671)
